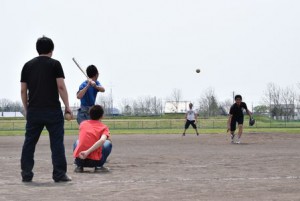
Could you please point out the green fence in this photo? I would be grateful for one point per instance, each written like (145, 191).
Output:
(157, 124)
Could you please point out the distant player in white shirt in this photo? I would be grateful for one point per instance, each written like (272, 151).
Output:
(191, 119)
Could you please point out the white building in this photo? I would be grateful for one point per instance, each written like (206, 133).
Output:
(176, 107)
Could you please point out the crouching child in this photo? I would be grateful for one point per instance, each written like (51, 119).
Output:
(94, 144)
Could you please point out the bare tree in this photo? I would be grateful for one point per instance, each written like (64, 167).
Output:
(225, 105)
(261, 109)
(141, 103)
(272, 98)
(138, 107)
(298, 94)
(146, 105)
(281, 101)
(176, 97)
(126, 107)
(106, 102)
(5, 104)
(156, 106)
(288, 99)
(135, 108)
(209, 103)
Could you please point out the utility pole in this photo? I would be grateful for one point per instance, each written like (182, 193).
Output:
(111, 103)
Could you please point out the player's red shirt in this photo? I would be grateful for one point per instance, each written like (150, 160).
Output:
(90, 131)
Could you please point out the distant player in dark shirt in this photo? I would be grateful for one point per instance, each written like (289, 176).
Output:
(236, 116)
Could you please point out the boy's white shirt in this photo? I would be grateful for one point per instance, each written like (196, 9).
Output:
(190, 115)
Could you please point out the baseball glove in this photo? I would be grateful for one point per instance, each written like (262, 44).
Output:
(251, 121)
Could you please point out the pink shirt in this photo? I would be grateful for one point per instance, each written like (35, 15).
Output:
(90, 131)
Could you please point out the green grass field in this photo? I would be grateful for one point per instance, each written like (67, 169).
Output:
(162, 125)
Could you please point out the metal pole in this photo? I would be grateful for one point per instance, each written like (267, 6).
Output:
(233, 97)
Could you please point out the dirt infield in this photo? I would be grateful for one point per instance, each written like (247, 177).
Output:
(165, 167)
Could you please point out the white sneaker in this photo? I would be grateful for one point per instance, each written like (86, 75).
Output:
(238, 141)
(232, 138)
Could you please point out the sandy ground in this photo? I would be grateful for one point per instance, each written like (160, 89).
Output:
(164, 167)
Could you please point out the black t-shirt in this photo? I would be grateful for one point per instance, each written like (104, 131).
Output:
(40, 74)
(237, 110)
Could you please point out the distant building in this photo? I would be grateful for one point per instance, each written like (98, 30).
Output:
(297, 113)
(176, 107)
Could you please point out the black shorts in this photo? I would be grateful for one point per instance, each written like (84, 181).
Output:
(234, 120)
(188, 123)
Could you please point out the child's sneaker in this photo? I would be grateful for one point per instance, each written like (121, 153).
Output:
(238, 141)
(78, 169)
(101, 169)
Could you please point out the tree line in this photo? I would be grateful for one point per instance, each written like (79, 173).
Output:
(277, 102)
(151, 105)
(281, 103)
(7, 105)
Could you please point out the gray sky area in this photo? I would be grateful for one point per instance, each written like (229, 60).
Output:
(150, 47)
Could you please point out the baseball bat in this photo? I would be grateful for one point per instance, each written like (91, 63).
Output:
(77, 64)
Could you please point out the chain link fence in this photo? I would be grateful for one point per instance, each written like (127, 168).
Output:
(158, 124)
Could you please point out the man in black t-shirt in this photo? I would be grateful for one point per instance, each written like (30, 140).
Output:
(236, 116)
(42, 82)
